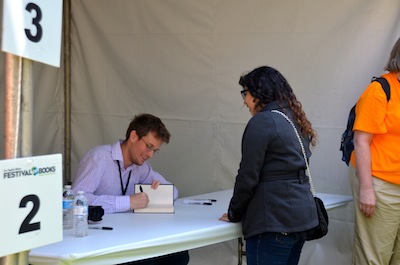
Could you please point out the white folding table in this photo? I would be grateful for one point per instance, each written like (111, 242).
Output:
(141, 236)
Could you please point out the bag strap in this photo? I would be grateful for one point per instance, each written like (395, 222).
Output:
(385, 85)
(312, 189)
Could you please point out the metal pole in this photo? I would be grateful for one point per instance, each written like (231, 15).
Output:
(18, 99)
(26, 125)
(67, 90)
(12, 105)
(23, 258)
(26, 108)
(12, 98)
(9, 260)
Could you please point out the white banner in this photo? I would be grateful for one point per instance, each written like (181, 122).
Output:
(31, 208)
(32, 29)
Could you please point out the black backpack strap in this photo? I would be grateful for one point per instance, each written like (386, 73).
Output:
(385, 85)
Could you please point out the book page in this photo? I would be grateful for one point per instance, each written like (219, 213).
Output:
(161, 199)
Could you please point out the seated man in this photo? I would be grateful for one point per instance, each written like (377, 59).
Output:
(107, 174)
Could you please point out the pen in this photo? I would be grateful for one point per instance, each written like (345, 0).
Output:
(200, 203)
(101, 227)
(141, 189)
(209, 200)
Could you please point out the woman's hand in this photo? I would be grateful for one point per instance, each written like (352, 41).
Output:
(367, 202)
(224, 217)
(362, 149)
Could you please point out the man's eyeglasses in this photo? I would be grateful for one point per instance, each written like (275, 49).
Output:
(243, 93)
(149, 147)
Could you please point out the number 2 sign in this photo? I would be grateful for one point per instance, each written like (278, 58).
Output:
(31, 208)
(32, 29)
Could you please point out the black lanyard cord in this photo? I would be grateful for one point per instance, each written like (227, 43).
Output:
(120, 178)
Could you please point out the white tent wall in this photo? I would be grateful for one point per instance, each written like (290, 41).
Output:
(181, 60)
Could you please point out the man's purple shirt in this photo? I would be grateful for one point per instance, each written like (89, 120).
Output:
(98, 176)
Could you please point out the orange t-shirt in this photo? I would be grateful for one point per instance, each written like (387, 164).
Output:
(374, 114)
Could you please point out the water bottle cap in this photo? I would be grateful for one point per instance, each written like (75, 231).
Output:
(81, 192)
(67, 186)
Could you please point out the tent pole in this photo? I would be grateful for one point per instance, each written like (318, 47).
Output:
(18, 111)
(67, 90)
(26, 125)
(12, 98)
(26, 108)
(12, 105)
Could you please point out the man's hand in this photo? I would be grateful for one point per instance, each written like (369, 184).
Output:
(139, 200)
(155, 184)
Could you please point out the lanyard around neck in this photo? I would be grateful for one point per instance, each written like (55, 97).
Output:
(120, 178)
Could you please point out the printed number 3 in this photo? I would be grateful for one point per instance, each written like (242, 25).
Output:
(35, 21)
(26, 226)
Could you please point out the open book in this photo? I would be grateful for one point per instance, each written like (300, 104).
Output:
(161, 199)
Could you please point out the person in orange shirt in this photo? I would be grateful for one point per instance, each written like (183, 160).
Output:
(375, 170)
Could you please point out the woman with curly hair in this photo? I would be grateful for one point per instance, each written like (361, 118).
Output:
(272, 195)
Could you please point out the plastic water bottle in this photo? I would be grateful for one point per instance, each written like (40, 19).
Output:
(68, 200)
(80, 210)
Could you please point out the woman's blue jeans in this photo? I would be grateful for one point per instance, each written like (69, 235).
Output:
(273, 249)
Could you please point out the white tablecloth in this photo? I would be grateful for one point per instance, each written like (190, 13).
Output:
(140, 236)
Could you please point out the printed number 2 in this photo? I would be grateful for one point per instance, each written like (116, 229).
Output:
(35, 21)
(26, 226)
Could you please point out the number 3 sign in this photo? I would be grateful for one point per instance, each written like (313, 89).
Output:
(32, 29)
(31, 208)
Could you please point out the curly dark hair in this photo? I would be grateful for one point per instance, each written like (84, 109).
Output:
(267, 84)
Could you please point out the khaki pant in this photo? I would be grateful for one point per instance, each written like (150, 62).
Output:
(377, 239)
